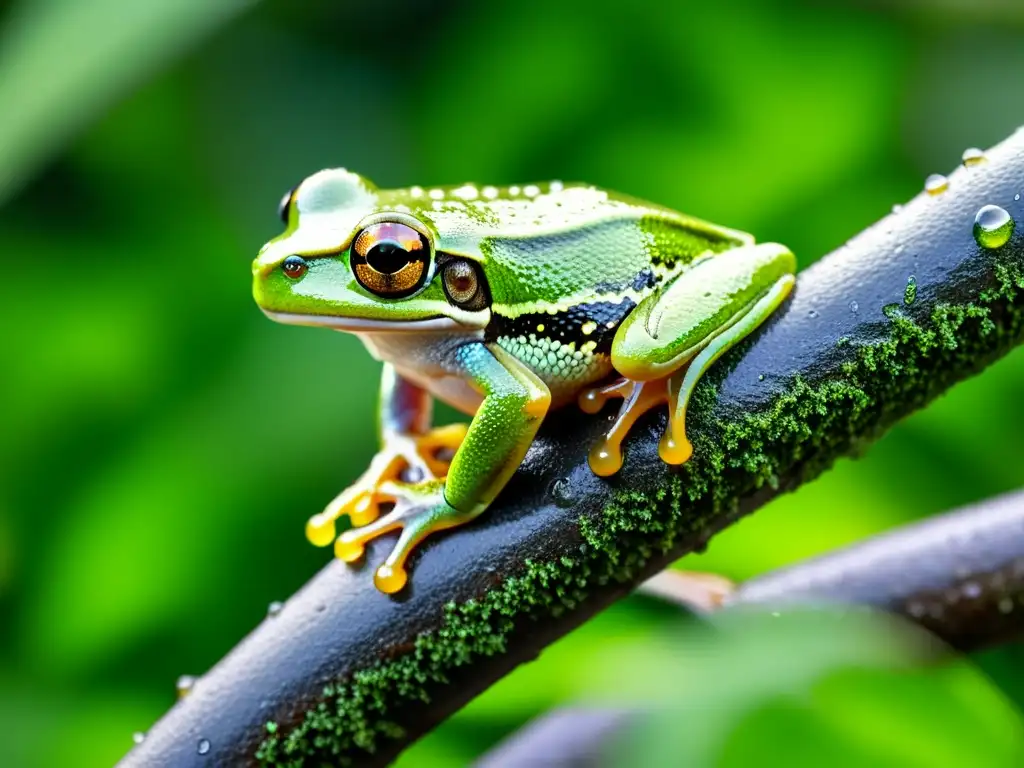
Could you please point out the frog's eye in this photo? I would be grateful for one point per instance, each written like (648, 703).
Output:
(390, 259)
(282, 207)
(294, 267)
(463, 286)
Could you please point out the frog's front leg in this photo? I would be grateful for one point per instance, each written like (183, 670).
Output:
(674, 335)
(515, 402)
(408, 448)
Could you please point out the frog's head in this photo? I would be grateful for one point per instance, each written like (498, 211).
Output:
(359, 259)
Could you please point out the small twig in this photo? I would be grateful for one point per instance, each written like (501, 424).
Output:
(697, 592)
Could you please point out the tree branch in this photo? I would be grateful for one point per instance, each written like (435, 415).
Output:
(959, 575)
(346, 674)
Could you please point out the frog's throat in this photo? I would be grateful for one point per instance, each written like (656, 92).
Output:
(362, 324)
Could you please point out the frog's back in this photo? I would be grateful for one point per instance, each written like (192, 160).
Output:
(565, 265)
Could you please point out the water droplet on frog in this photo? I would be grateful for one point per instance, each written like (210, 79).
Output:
(138, 737)
(275, 608)
(185, 685)
(812, 313)
(910, 292)
(1017, 196)
(203, 747)
(854, 306)
(993, 226)
(561, 492)
(972, 156)
(897, 207)
(936, 184)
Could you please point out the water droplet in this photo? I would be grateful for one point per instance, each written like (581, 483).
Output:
(760, 377)
(812, 313)
(972, 156)
(936, 184)
(910, 292)
(1017, 196)
(854, 306)
(993, 226)
(138, 737)
(203, 747)
(561, 492)
(897, 207)
(185, 685)
(275, 608)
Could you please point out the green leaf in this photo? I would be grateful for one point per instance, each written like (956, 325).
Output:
(63, 61)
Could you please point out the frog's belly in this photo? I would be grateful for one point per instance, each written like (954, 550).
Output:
(428, 360)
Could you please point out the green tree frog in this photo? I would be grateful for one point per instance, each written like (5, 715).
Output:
(505, 302)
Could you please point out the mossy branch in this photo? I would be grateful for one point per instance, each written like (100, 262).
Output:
(345, 675)
(960, 575)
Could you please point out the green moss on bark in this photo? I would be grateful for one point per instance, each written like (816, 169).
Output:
(802, 431)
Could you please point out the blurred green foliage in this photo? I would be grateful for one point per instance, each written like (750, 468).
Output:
(162, 443)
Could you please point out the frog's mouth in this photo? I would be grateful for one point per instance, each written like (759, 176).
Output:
(364, 324)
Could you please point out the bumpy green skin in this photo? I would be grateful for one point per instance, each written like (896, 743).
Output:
(797, 436)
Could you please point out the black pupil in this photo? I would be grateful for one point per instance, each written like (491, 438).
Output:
(387, 257)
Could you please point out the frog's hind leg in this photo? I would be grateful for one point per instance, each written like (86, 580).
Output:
(674, 335)
(638, 397)
(675, 447)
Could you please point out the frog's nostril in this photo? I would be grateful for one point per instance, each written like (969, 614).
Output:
(294, 267)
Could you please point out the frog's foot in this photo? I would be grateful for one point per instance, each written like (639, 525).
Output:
(420, 509)
(638, 397)
(418, 457)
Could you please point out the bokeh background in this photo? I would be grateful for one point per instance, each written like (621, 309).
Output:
(162, 443)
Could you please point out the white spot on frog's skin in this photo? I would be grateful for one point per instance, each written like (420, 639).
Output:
(437, 194)
(466, 192)
(416, 191)
(588, 327)
(138, 737)
(531, 190)
(513, 190)
(555, 186)
(275, 608)
(490, 192)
